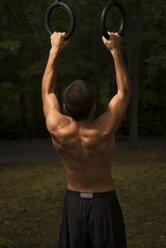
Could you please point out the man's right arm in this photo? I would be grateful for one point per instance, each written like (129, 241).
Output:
(117, 108)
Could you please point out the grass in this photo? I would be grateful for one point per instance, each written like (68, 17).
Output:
(31, 200)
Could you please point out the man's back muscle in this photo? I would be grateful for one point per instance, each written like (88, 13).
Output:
(87, 157)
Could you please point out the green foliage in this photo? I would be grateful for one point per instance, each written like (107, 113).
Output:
(6, 243)
(10, 45)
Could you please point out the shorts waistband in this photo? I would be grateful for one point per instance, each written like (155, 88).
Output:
(88, 195)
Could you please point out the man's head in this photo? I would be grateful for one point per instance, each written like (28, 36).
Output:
(79, 100)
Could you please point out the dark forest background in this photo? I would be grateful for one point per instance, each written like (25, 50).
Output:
(24, 49)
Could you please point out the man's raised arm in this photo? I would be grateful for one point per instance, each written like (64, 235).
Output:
(122, 77)
(119, 103)
(51, 106)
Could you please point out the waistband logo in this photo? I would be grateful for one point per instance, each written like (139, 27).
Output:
(86, 195)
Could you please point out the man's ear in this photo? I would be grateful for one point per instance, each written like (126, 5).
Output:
(64, 107)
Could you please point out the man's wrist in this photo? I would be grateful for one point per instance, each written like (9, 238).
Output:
(115, 52)
(54, 52)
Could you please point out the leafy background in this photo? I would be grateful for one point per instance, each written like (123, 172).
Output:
(24, 49)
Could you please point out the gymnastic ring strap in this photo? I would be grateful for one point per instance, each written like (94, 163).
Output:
(104, 16)
(58, 3)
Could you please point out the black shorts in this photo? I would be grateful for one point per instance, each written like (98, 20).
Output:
(92, 220)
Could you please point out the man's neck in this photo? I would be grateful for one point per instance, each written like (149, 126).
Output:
(88, 123)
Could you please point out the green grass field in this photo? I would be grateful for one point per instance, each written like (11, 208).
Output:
(31, 200)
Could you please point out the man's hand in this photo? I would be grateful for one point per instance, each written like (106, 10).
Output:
(113, 44)
(57, 41)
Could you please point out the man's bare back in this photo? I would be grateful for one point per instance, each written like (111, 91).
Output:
(86, 146)
(87, 156)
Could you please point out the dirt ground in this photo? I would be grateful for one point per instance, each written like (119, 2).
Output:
(43, 151)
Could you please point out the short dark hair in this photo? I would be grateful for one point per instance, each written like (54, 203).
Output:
(79, 99)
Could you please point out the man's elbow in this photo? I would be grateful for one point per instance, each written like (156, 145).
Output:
(127, 89)
(44, 90)
(126, 92)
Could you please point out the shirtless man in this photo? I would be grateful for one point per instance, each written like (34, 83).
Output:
(92, 216)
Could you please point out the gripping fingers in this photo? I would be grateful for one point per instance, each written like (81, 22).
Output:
(112, 35)
(57, 34)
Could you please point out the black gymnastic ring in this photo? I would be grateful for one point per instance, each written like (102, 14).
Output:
(57, 3)
(104, 16)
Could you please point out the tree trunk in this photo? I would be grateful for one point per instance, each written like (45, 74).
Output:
(35, 114)
(96, 56)
(134, 42)
(96, 74)
(22, 110)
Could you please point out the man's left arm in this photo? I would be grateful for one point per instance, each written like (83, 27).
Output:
(51, 105)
